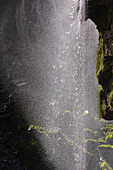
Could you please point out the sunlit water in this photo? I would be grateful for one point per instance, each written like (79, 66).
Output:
(48, 62)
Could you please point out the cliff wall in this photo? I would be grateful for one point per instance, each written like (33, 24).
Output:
(101, 13)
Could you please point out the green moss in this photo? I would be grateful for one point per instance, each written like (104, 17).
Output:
(100, 57)
(99, 91)
(94, 132)
(57, 130)
(111, 97)
(105, 146)
(104, 107)
(109, 136)
(105, 166)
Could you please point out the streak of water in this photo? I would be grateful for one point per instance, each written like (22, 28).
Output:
(44, 64)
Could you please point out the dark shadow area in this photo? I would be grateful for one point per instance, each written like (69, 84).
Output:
(100, 12)
(19, 148)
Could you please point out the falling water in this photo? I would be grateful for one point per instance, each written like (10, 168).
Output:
(48, 54)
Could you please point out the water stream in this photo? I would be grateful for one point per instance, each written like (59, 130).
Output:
(47, 66)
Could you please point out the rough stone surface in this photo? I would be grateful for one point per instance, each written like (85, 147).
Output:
(101, 12)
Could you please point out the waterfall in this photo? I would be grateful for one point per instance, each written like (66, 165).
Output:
(47, 65)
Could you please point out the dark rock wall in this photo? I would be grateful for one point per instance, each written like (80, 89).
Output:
(101, 13)
(98, 11)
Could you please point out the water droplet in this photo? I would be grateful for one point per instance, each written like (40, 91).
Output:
(86, 111)
(71, 25)
(62, 80)
(59, 138)
(101, 159)
(67, 47)
(54, 66)
(64, 52)
(67, 32)
(61, 66)
(21, 84)
(52, 103)
(70, 125)
(76, 87)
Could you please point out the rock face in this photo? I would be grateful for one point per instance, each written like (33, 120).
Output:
(101, 12)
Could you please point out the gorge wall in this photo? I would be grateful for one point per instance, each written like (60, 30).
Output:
(101, 13)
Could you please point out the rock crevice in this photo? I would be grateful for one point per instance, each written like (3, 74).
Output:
(101, 13)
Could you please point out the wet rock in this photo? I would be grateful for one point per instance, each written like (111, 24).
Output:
(101, 12)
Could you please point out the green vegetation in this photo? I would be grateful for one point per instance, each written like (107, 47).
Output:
(110, 99)
(104, 58)
(56, 130)
(105, 166)
(104, 107)
(100, 57)
(104, 77)
(99, 92)
(100, 142)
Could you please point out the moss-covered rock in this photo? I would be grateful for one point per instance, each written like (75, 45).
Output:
(100, 58)
(101, 12)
